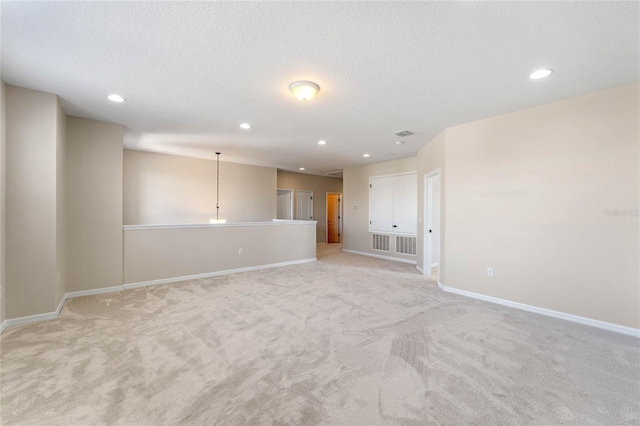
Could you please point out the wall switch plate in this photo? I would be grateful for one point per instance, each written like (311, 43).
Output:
(240, 251)
(489, 272)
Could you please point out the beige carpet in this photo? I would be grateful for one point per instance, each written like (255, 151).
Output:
(346, 340)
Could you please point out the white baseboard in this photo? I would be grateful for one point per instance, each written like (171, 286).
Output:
(380, 256)
(548, 312)
(420, 269)
(30, 319)
(129, 286)
(54, 315)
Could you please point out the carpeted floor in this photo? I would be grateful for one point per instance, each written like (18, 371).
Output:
(345, 340)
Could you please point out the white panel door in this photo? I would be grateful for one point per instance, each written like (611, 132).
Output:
(381, 204)
(284, 205)
(305, 205)
(405, 204)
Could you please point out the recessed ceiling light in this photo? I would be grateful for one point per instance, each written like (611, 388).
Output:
(540, 74)
(322, 142)
(366, 155)
(116, 98)
(304, 90)
(245, 125)
(301, 168)
(399, 143)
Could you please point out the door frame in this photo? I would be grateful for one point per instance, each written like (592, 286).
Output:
(428, 206)
(291, 199)
(298, 203)
(326, 216)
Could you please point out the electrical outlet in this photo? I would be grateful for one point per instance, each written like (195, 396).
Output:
(489, 272)
(240, 251)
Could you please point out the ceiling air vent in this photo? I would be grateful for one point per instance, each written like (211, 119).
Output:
(403, 133)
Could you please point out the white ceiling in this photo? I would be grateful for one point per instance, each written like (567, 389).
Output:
(192, 72)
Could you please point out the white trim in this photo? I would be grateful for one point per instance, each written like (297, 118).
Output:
(129, 286)
(274, 222)
(30, 319)
(54, 315)
(61, 304)
(433, 265)
(102, 290)
(415, 172)
(380, 256)
(635, 332)
(420, 269)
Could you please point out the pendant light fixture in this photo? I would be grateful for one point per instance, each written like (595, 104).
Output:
(217, 219)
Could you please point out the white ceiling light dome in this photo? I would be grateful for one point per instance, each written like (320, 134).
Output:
(116, 98)
(304, 90)
(540, 74)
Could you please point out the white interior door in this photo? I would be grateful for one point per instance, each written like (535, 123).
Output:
(285, 204)
(405, 204)
(381, 204)
(305, 205)
(431, 223)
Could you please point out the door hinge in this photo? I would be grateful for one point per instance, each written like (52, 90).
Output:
(370, 186)
(312, 198)
(339, 218)
(369, 222)
(338, 235)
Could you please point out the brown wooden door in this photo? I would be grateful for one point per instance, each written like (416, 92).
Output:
(333, 218)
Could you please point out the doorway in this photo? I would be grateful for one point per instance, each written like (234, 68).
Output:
(432, 199)
(285, 204)
(305, 205)
(334, 217)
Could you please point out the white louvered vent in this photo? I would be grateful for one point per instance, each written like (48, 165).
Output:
(380, 242)
(405, 245)
(403, 133)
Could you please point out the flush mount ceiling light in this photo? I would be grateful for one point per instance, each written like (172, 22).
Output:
(366, 155)
(301, 168)
(304, 90)
(540, 74)
(322, 142)
(245, 125)
(116, 98)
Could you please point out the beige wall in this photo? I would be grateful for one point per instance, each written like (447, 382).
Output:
(3, 181)
(164, 189)
(356, 192)
(153, 254)
(431, 158)
(320, 185)
(32, 120)
(94, 204)
(526, 194)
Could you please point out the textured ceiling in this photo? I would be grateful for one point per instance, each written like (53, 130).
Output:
(192, 72)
